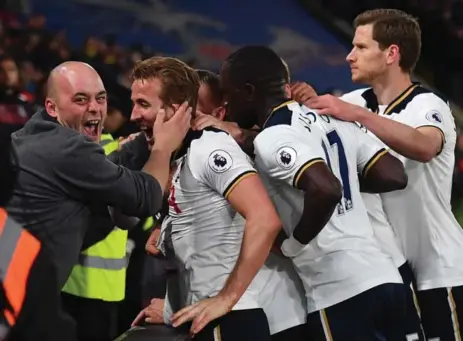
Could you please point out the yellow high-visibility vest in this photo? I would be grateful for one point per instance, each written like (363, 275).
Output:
(101, 271)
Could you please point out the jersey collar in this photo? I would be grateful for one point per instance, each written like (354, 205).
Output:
(270, 117)
(396, 105)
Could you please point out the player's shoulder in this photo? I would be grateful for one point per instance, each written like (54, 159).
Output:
(216, 148)
(359, 96)
(209, 139)
(424, 97)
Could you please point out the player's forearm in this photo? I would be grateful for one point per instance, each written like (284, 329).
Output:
(158, 166)
(401, 138)
(257, 241)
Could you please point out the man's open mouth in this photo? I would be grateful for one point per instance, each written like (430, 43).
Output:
(92, 127)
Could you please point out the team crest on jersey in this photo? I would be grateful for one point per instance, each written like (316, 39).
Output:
(220, 161)
(286, 157)
(434, 116)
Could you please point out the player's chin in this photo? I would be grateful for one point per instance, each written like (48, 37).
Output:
(356, 78)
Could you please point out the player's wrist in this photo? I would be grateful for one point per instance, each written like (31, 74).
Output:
(360, 114)
(228, 297)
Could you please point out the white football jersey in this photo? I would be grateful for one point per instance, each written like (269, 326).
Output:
(386, 236)
(421, 214)
(205, 233)
(345, 259)
(430, 234)
(282, 297)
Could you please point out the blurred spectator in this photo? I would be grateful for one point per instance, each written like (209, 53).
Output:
(117, 116)
(15, 106)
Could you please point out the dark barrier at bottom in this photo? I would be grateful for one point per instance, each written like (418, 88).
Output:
(153, 333)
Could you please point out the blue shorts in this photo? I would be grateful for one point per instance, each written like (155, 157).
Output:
(378, 314)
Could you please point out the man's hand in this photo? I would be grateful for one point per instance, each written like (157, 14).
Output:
(333, 106)
(124, 140)
(203, 121)
(301, 92)
(154, 313)
(202, 313)
(168, 135)
(151, 244)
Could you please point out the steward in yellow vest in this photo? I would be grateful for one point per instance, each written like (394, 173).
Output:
(101, 271)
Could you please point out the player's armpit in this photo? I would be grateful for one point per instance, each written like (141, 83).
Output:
(322, 192)
(383, 173)
(249, 198)
(436, 138)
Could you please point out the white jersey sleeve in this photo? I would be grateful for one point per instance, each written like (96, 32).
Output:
(219, 162)
(284, 153)
(430, 111)
(369, 150)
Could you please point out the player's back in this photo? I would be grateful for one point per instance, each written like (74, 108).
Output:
(206, 231)
(345, 258)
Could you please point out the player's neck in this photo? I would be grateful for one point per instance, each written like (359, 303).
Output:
(388, 87)
(269, 104)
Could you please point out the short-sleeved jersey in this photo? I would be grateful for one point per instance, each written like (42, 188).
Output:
(421, 214)
(345, 258)
(386, 236)
(206, 232)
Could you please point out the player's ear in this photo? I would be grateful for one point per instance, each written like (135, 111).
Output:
(219, 113)
(288, 90)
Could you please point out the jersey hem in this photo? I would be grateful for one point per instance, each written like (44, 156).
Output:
(393, 277)
(279, 327)
(439, 283)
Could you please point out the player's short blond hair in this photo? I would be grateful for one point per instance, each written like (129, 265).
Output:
(180, 82)
(394, 27)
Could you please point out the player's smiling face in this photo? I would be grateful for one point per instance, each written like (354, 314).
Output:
(367, 61)
(147, 103)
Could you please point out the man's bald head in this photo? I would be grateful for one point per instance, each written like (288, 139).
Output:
(76, 97)
(64, 72)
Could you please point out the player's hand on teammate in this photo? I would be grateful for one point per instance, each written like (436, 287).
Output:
(301, 92)
(168, 135)
(202, 121)
(333, 106)
(203, 312)
(151, 244)
(154, 313)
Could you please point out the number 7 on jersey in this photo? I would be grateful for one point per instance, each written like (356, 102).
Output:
(346, 203)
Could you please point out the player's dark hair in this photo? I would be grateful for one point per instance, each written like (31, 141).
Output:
(212, 80)
(392, 26)
(259, 66)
